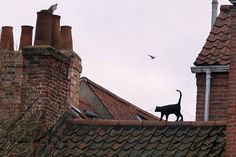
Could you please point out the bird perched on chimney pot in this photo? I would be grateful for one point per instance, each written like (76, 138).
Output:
(233, 2)
(52, 8)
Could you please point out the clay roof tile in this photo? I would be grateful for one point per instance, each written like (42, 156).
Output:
(216, 50)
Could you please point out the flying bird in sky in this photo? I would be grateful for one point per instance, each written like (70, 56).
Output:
(152, 57)
(52, 8)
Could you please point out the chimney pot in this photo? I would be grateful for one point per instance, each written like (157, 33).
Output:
(56, 31)
(43, 33)
(26, 36)
(66, 38)
(7, 41)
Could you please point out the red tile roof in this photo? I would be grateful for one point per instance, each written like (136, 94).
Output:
(134, 138)
(119, 108)
(216, 50)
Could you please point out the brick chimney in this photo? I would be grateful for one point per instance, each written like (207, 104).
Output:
(45, 76)
(26, 36)
(231, 108)
(50, 74)
(7, 41)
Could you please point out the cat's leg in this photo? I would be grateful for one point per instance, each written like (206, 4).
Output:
(182, 119)
(177, 115)
(167, 115)
(161, 117)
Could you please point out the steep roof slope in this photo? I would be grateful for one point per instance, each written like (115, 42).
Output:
(118, 108)
(133, 138)
(216, 50)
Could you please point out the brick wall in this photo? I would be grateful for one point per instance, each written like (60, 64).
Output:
(75, 70)
(10, 81)
(45, 77)
(231, 108)
(218, 97)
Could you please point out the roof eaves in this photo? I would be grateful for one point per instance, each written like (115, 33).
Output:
(215, 68)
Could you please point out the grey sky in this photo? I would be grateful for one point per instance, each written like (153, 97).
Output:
(113, 38)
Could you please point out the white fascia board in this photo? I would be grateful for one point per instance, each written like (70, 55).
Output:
(215, 68)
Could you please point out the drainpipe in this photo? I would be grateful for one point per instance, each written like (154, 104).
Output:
(214, 12)
(208, 70)
(207, 94)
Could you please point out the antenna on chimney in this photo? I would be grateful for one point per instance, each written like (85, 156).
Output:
(214, 12)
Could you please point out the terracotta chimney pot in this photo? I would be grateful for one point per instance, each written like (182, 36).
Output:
(43, 33)
(66, 38)
(56, 31)
(7, 41)
(26, 36)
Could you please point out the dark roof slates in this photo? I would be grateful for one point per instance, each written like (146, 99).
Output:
(102, 152)
(183, 139)
(117, 145)
(175, 144)
(95, 146)
(144, 139)
(126, 132)
(148, 153)
(82, 145)
(151, 146)
(204, 131)
(136, 152)
(155, 139)
(77, 152)
(112, 152)
(128, 146)
(125, 152)
(75, 139)
(180, 153)
(121, 139)
(133, 139)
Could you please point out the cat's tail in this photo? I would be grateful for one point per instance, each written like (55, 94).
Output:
(180, 97)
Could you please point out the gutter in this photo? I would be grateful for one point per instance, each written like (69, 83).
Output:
(208, 70)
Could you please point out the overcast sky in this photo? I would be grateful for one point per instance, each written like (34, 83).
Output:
(113, 38)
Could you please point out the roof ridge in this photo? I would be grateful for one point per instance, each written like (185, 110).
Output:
(146, 123)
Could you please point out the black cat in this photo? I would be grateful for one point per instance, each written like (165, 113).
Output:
(171, 109)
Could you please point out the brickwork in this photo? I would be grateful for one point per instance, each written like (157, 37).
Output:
(231, 108)
(44, 71)
(45, 77)
(74, 76)
(200, 78)
(218, 97)
(10, 81)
